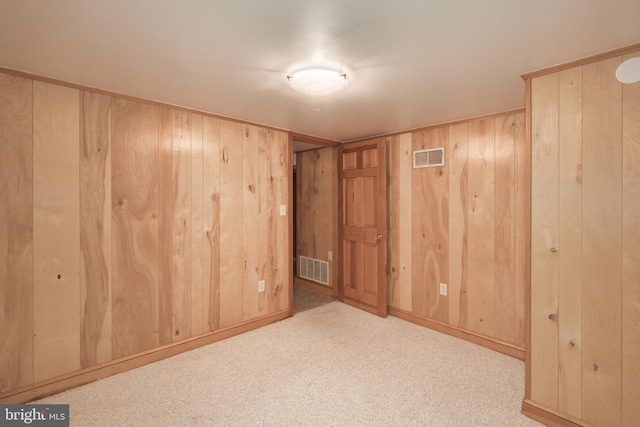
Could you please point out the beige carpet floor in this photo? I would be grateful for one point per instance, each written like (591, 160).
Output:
(329, 366)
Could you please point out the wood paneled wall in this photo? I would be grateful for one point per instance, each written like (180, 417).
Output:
(463, 225)
(585, 244)
(316, 228)
(127, 225)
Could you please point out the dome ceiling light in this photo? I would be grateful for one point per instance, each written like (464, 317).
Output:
(629, 71)
(318, 80)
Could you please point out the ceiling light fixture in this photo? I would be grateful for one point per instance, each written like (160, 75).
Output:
(318, 81)
(629, 71)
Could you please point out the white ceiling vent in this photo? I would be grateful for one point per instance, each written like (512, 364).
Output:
(428, 158)
(314, 269)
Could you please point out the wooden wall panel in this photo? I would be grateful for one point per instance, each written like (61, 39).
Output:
(631, 253)
(473, 221)
(265, 216)
(400, 267)
(544, 242)
(430, 263)
(165, 221)
(122, 227)
(181, 280)
(134, 227)
(251, 224)
(56, 230)
(570, 238)
(505, 229)
(585, 319)
(280, 175)
(315, 200)
(523, 225)
(458, 224)
(602, 244)
(95, 228)
(231, 237)
(199, 298)
(481, 223)
(16, 232)
(211, 182)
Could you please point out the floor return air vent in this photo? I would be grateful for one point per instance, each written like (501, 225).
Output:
(314, 269)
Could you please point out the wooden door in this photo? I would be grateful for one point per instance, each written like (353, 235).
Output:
(363, 249)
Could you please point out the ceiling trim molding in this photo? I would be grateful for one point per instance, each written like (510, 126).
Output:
(582, 61)
(113, 94)
(444, 124)
(314, 139)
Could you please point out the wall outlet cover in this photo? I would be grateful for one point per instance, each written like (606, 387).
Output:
(443, 289)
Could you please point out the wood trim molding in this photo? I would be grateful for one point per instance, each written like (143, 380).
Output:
(314, 139)
(439, 125)
(368, 308)
(291, 219)
(315, 287)
(474, 337)
(295, 135)
(94, 373)
(587, 60)
(527, 285)
(550, 417)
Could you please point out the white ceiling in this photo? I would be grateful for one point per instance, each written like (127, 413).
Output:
(411, 63)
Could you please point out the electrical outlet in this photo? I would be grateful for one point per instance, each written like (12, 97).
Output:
(260, 285)
(443, 289)
(283, 210)
(330, 256)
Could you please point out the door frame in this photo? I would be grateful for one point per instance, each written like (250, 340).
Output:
(382, 303)
(320, 143)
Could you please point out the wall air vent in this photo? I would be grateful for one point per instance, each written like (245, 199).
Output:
(314, 269)
(428, 158)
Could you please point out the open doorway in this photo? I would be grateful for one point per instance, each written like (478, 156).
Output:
(315, 225)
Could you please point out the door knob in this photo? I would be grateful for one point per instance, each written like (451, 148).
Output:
(379, 237)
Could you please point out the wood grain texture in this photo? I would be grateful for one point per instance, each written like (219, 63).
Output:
(430, 223)
(231, 237)
(523, 225)
(134, 227)
(56, 230)
(498, 240)
(315, 226)
(250, 222)
(458, 224)
(544, 241)
(266, 215)
(181, 278)
(95, 229)
(570, 238)
(400, 267)
(199, 298)
(602, 244)
(481, 223)
(16, 232)
(114, 224)
(211, 256)
(505, 229)
(280, 175)
(631, 252)
(165, 221)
